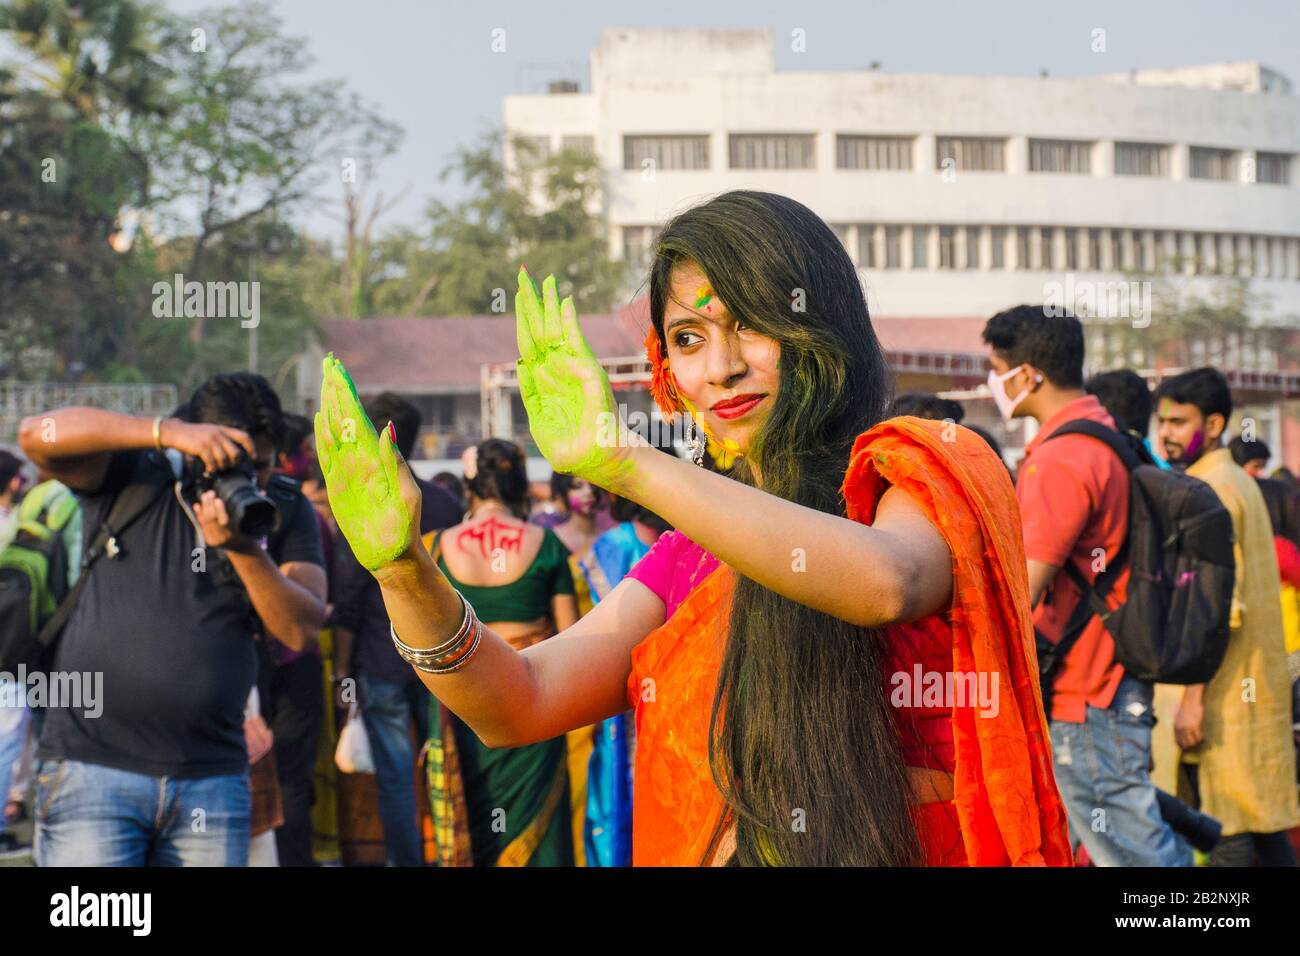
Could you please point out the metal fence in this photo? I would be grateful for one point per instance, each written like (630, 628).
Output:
(19, 401)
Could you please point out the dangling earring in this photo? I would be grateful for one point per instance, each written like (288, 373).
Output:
(696, 443)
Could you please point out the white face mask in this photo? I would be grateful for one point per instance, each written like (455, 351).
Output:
(998, 386)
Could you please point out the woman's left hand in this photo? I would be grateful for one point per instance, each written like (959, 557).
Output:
(571, 409)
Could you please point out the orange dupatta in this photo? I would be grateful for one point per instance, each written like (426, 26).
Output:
(1008, 809)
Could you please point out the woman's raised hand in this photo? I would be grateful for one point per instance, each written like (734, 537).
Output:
(372, 494)
(571, 410)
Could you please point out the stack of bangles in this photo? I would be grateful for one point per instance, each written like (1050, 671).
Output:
(449, 656)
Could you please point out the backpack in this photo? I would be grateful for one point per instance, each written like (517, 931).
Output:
(35, 600)
(1173, 624)
(34, 566)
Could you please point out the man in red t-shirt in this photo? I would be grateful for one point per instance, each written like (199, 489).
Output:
(1073, 494)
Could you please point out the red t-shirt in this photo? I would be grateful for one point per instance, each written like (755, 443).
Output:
(1073, 494)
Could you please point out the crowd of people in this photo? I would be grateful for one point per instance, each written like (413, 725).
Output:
(840, 630)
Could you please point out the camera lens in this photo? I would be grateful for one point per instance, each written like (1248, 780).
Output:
(252, 513)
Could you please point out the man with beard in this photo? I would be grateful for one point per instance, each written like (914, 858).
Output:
(1235, 731)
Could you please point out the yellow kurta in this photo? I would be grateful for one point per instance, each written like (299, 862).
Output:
(1247, 762)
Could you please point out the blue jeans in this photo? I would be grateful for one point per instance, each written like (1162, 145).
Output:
(1103, 769)
(387, 710)
(14, 720)
(91, 815)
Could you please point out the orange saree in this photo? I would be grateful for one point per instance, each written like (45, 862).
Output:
(1005, 808)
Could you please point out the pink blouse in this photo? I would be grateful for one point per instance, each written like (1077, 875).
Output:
(672, 569)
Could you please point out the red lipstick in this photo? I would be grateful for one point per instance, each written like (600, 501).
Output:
(731, 408)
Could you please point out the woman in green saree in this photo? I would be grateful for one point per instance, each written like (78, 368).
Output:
(503, 806)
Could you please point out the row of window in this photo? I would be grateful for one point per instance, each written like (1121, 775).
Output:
(1254, 350)
(966, 153)
(875, 246)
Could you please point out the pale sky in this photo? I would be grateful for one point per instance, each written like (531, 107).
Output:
(428, 63)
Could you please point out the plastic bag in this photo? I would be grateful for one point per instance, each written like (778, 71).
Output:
(353, 752)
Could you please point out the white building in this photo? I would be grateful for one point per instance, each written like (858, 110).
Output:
(957, 196)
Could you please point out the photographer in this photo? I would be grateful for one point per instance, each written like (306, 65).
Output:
(168, 617)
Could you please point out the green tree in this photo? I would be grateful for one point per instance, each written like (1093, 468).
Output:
(97, 56)
(540, 210)
(245, 142)
(66, 172)
(1186, 324)
(63, 180)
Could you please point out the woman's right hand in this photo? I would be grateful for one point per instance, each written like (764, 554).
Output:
(372, 494)
(571, 410)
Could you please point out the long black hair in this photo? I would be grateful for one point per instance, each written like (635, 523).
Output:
(802, 742)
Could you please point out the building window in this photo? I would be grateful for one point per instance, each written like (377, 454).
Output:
(533, 148)
(979, 154)
(1245, 256)
(1141, 159)
(637, 244)
(1259, 255)
(1142, 251)
(1117, 263)
(1094, 250)
(972, 247)
(893, 247)
(947, 252)
(772, 151)
(920, 247)
(1059, 156)
(1071, 249)
(998, 235)
(1022, 247)
(1047, 248)
(1273, 168)
(1209, 163)
(867, 246)
(665, 152)
(842, 234)
(1205, 257)
(586, 145)
(873, 152)
(1158, 261)
(1226, 263)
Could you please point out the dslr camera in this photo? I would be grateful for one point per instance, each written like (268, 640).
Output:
(251, 513)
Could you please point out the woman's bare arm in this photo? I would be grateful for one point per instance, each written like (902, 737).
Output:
(510, 698)
(564, 611)
(897, 569)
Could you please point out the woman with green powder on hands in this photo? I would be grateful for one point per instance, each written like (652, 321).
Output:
(829, 553)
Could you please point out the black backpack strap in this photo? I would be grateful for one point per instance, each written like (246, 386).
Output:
(1120, 444)
(128, 505)
(1092, 601)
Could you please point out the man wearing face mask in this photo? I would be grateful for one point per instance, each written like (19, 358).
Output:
(1074, 498)
(1235, 731)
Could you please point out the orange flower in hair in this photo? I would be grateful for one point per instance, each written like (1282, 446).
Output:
(663, 386)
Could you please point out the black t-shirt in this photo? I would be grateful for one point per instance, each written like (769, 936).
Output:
(171, 630)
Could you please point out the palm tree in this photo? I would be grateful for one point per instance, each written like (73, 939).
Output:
(97, 56)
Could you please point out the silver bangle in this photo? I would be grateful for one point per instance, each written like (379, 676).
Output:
(461, 660)
(447, 654)
(447, 646)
